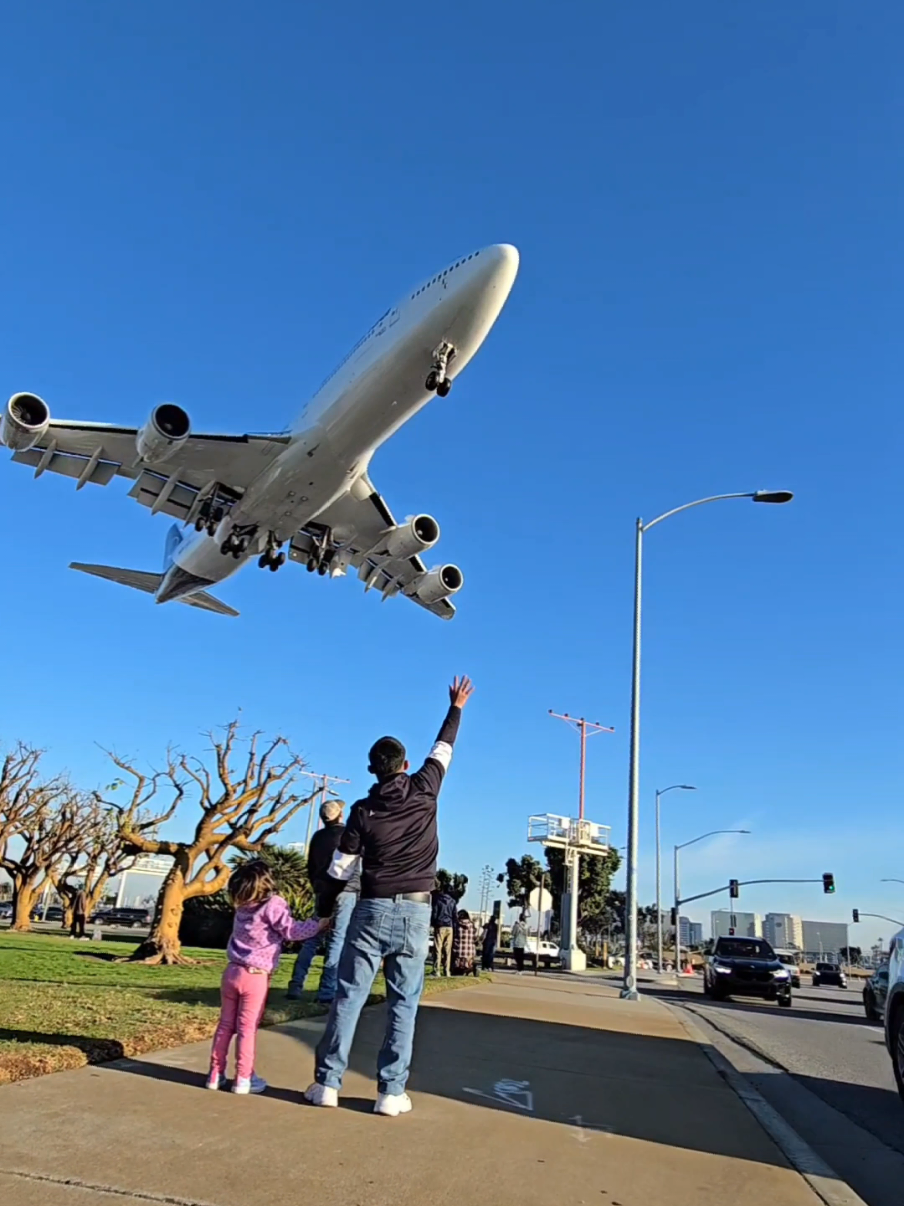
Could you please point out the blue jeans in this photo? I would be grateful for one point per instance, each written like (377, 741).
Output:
(303, 961)
(342, 915)
(395, 933)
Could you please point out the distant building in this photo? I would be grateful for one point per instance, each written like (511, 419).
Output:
(140, 884)
(784, 931)
(824, 938)
(691, 932)
(741, 925)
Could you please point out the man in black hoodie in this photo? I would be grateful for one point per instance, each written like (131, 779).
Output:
(391, 837)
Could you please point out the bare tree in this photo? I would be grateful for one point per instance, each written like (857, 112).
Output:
(243, 808)
(46, 829)
(96, 857)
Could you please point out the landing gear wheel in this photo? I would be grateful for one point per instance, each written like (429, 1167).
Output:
(311, 564)
(432, 383)
(322, 568)
(278, 560)
(443, 388)
(264, 560)
(274, 565)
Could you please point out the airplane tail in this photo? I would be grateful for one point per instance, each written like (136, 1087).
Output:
(149, 583)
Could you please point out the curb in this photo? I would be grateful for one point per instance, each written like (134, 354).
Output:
(822, 1179)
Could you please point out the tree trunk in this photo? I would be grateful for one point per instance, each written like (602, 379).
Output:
(162, 944)
(24, 900)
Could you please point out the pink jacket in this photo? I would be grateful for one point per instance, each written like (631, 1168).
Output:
(260, 930)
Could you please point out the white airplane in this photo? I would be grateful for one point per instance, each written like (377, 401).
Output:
(249, 495)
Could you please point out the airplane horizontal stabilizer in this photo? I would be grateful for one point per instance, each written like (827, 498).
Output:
(148, 582)
(209, 602)
(137, 579)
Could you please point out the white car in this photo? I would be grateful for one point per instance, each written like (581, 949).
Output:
(549, 951)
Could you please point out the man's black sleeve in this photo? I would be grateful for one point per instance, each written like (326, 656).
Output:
(430, 776)
(345, 861)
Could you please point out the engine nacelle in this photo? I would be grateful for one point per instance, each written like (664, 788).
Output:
(439, 584)
(415, 536)
(25, 420)
(165, 431)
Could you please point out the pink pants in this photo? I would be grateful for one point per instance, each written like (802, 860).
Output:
(243, 995)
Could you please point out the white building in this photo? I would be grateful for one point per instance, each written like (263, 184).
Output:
(823, 939)
(783, 931)
(140, 884)
(726, 923)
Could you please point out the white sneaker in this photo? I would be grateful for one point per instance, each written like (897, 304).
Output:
(249, 1084)
(392, 1104)
(214, 1081)
(322, 1095)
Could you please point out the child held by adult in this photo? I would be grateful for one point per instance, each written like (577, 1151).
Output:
(263, 922)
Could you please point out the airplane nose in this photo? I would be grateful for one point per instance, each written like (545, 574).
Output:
(501, 266)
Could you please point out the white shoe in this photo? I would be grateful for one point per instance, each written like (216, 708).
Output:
(214, 1082)
(322, 1095)
(249, 1084)
(392, 1104)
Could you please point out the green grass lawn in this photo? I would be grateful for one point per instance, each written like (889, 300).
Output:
(64, 1004)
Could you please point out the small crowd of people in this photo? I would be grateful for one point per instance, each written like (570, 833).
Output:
(374, 886)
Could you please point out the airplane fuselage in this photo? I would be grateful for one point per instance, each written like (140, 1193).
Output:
(379, 385)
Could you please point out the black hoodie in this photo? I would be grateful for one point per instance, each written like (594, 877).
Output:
(394, 828)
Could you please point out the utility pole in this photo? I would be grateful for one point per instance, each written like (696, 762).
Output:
(324, 781)
(583, 727)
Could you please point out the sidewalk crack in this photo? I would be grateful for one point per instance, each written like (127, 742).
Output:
(115, 1191)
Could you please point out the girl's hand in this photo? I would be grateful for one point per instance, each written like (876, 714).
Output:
(325, 924)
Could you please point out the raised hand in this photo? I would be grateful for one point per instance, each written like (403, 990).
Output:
(460, 691)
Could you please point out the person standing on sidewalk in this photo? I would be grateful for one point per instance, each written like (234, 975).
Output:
(443, 920)
(262, 923)
(323, 846)
(489, 944)
(519, 942)
(391, 835)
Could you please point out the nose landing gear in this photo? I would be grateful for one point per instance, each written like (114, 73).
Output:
(238, 541)
(437, 379)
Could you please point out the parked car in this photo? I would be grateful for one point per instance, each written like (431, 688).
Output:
(548, 953)
(6, 910)
(746, 967)
(875, 990)
(829, 973)
(894, 1009)
(126, 918)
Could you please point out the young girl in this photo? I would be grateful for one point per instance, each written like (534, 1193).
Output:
(262, 923)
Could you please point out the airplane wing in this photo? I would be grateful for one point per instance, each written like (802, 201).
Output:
(359, 519)
(95, 453)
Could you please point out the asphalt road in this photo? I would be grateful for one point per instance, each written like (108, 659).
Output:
(831, 1052)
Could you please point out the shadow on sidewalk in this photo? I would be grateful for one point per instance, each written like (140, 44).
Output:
(660, 1090)
(98, 1050)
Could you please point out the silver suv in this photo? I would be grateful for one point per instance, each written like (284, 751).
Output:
(894, 1008)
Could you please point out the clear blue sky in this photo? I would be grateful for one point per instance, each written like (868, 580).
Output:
(208, 204)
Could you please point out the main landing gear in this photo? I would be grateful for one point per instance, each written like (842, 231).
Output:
(436, 378)
(239, 540)
(322, 549)
(271, 558)
(209, 515)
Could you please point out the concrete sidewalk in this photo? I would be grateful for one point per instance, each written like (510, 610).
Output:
(524, 1091)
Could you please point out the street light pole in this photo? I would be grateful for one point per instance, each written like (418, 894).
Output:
(629, 985)
(674, 787)
(692, 842)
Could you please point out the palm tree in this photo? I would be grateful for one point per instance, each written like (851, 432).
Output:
(290, 872)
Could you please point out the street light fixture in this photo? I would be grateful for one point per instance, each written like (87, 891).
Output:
(680, 846)
(674, 787)
(629, 986)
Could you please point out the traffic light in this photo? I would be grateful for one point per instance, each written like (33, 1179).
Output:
(828, 882)
(731, 931)
(733, 889)
(856, 913)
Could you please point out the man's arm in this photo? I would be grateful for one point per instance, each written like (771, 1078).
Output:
(437, 762)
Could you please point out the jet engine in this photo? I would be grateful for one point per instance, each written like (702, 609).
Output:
(417, 535)
(25, 420)
(439, 584)
(165, 431)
